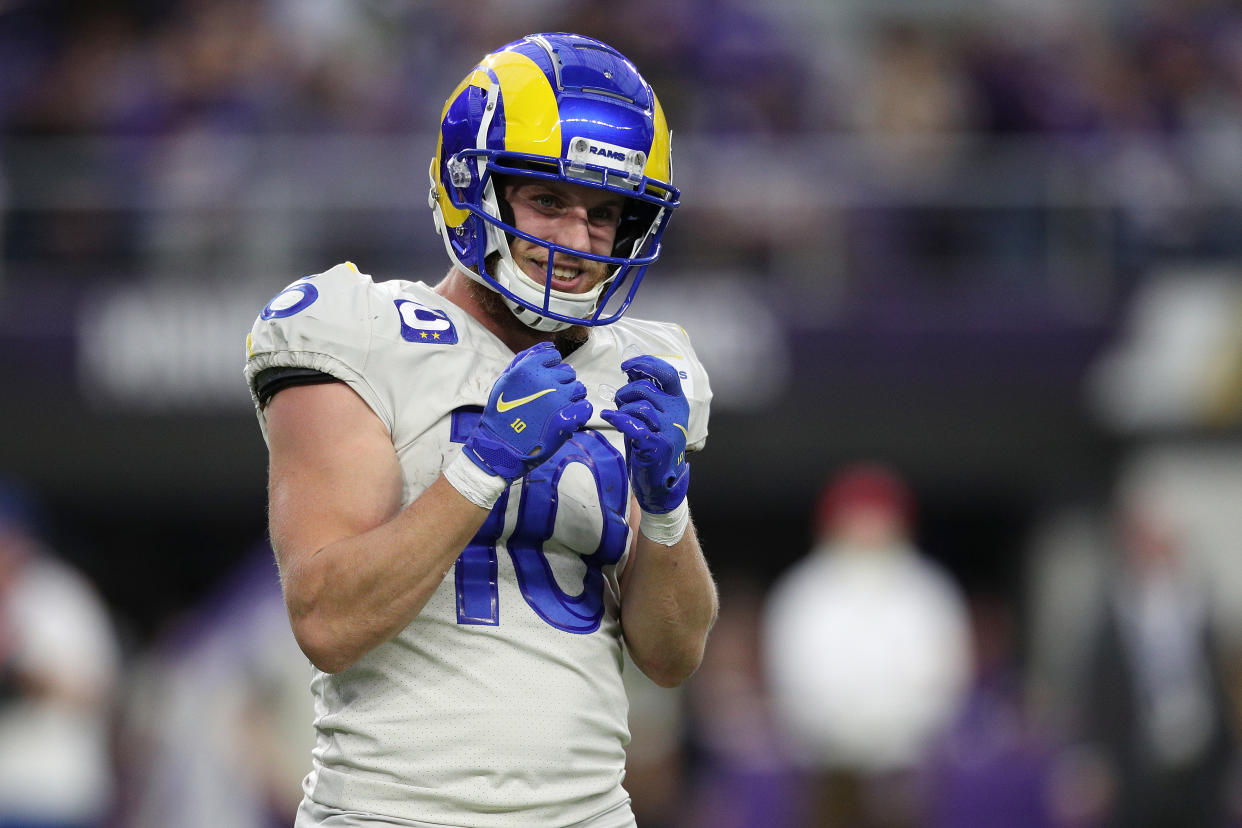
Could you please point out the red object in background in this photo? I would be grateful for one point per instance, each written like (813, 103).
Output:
(863, 486)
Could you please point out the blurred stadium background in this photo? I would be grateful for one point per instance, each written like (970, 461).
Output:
(995, 245)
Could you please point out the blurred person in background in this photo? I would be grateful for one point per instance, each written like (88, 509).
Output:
(453, 684)
(216, 724)
(58, 670)
(868, 653)
(1157, 723)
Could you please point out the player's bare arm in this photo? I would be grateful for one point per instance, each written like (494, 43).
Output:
(354, 566)
(668, 606)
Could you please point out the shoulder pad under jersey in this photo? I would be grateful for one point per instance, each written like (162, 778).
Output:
(322, 322)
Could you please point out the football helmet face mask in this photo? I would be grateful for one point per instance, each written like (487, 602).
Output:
(557, 107)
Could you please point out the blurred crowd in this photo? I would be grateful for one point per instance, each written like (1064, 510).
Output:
(981, 147)
(1058, 156)
(1081, 71)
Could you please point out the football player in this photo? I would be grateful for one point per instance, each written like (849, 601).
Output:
(477, 490)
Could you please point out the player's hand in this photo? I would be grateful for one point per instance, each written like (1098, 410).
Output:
(652, 413)
(535, 406)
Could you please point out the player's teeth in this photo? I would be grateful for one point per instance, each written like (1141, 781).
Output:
(564, 273)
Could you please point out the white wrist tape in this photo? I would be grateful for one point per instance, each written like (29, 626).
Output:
(477, 486)
(667, 528)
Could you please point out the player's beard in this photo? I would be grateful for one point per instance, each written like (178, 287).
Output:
(566, 340)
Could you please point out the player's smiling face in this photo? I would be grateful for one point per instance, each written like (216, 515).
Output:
(571, 215)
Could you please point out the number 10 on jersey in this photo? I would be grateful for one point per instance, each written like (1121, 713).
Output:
(476, 570)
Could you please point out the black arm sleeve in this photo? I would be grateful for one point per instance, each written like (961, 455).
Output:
(271, 381)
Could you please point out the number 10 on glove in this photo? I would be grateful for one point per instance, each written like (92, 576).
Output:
(535, 406)
(653, 413)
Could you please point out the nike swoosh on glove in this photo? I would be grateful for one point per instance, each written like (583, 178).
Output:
(653, 413)
(535, 405)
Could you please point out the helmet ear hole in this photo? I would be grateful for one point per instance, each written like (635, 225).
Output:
(636, 223)
(500, 184)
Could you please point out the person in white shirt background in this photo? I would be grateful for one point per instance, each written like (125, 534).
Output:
(58, 672)
(868, 651)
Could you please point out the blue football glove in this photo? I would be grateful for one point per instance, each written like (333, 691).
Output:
(652, 413)
(536, 404)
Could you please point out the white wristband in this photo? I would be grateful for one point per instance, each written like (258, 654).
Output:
(476, 485)
(667, 528)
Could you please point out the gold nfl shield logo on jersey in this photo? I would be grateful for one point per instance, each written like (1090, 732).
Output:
(420, 323)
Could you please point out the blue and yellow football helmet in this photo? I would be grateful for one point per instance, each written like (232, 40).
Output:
(561, 107)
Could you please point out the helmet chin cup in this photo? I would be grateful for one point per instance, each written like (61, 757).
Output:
(519, 285)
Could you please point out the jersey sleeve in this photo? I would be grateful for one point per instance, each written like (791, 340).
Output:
(320, 323)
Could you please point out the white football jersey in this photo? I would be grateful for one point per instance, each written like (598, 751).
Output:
(503, 699)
